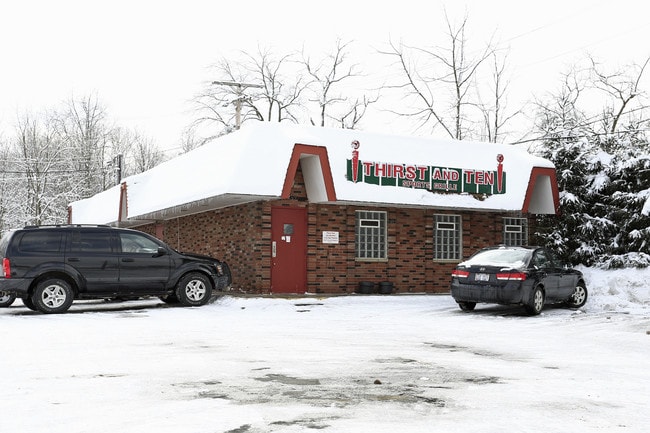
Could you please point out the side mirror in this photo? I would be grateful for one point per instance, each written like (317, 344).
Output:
(161, 252)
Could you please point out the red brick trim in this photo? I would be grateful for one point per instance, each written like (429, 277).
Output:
(534, 175)
(304, 149)
(122, 212)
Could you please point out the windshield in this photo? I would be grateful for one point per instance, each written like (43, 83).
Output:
(514, 258)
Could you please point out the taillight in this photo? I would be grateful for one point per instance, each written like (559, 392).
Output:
(514, 276)
(459, 273)
(6, 268)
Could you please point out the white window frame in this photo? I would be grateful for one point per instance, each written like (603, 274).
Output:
(447, 237)
(371, 235)
(515, 231)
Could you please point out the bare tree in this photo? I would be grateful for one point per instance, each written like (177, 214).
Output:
(41, 163)
(560, 117)
(190, 140)
(134, 152)
(495, 113)
(8, 188)
(144, 155)
(622, 87)
(327, 78)
(83, 125)
(262, 86)
(430, 73)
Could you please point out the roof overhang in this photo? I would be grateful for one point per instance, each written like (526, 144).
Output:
(542, 195)
(194, 207)
(316, 172)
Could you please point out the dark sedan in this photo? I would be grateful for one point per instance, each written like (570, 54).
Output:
(509, 275)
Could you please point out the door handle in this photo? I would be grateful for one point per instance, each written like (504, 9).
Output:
(73, 259)
(127, 259)
(274, 249)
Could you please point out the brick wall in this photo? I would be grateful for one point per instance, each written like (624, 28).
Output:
(233, 234)
(410, 265)
(241, 235)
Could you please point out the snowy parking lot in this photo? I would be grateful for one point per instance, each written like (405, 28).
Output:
(408, 363)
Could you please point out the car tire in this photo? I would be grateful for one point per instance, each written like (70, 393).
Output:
(27, 301)
(52, 296)
(6, 299)
(536, 303)
(170, 299)
(579, 297)
(467, 306)
(194, 289)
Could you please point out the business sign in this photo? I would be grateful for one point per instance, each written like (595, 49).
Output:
(330, 237)
(428, 177)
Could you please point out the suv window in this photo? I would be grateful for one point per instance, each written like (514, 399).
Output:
(85, 241)
(4, 243)
(40, 242)
(136, 243)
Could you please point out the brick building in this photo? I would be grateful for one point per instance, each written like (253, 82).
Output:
(298, 209)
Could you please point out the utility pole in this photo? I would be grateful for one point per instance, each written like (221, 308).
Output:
(240, 87)
(117, 166)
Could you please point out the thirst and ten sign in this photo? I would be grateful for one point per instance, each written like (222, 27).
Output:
(432, 178)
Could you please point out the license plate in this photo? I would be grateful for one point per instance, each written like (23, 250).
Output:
(482, 277)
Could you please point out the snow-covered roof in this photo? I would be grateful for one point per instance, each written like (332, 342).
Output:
(259, 161)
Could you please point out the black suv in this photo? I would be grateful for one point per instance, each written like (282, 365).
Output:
(50, 266)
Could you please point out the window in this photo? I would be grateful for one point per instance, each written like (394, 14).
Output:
(91, 242)
(447, 237)
(370, 235)
(136, 243)
(515, 231)
(541, 261)
(41, 242)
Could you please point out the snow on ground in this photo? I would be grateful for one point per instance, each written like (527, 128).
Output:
(408, 363)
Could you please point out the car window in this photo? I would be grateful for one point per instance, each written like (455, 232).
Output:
(500, 257)
(555, 262)
(137, 243)
(90, 242)
(4, 243)
(541, 260)
(40, 242)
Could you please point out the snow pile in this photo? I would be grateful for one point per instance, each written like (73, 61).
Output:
(617, 290)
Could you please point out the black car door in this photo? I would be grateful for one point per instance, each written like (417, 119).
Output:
(548, 272)
(568, 280)
(143, 269)
(93, 253)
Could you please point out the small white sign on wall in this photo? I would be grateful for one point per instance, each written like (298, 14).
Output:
(330, 237)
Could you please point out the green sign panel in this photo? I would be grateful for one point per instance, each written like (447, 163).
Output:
(431, 178)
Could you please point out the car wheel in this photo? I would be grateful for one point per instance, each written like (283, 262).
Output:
(194, 289)
(52, 296)
(29, 304)
(6, 299)
(169, 299)
(536, 303)
(579, 297)
(467, 306)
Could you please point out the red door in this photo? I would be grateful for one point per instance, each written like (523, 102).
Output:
(288, 250)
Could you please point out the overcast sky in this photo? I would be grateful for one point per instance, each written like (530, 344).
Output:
(145, 59)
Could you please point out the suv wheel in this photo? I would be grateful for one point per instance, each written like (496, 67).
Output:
(6, 299)
(53, 295)
(169, 299)
(29, 304)
(194, 289)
